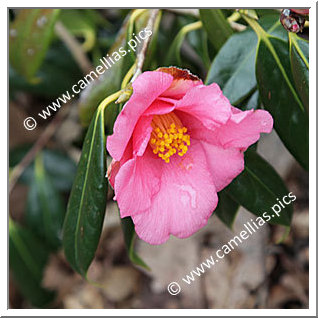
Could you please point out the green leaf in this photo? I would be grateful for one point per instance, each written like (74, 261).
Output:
(57, 74)
(299, 58)
(173, 56)
(227, 209)
(252, 102)
(129, 237)
(79, 24)
(258, 187)
(30, 36)
(87, 203)
(233, 69)
(45, 209)
(234, 66)
(275, 84)
(110, 81)
(217, 27)
(27, 259)
(58, 166)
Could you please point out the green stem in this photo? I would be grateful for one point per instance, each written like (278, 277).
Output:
(108, 100)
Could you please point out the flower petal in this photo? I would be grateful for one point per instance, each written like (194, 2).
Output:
(137, 181)
(224, 164)
(244, 128)
(146, 88)
(183, 80)
(206, 103)
(141, 135)
(186, 199)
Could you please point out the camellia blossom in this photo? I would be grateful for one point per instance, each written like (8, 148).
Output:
(175, 144)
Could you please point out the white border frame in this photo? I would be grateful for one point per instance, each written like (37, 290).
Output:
(171, 312)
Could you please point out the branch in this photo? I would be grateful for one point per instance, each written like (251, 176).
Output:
(38, 145)
(75, 48)
(142, 53)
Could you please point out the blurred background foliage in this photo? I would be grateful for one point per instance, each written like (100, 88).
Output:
(256, 62)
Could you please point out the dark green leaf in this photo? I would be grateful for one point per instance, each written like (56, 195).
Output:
(233, 69)
(217, 27)
(129, 237)
(275, 84)
(227, 209)
(45, 209)
(299, 57)
(234, 66)
(87, 203)
(258, 187)
(252, 102)
(60, 168)
(30, 36)
(27, 259)
(57, 74)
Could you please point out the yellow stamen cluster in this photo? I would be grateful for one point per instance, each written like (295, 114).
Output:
(168, 136)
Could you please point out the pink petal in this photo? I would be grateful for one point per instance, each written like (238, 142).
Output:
(137, 181)
(206, 103)
(183, 80)
(244, 128)
(186, 199)
(112, 172)
(160, 106)
(115, 165)
(224, 164)
(146, 88)
(141, 135)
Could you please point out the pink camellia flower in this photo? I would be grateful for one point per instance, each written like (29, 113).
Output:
(176, 144)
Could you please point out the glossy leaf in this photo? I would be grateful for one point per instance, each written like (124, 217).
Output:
(59, 167)
(87, 202)
(253, 102)
(233, 69)
(299, 58)
(227, 209)
(129, 237)
(45, 209)
(27, 259)
(275, 84)
(30, 36)
(258, 187)
(216, 26)
(234, 66)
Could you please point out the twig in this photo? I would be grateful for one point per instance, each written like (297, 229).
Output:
(75, 48)
(142, 53)
(39, 144)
